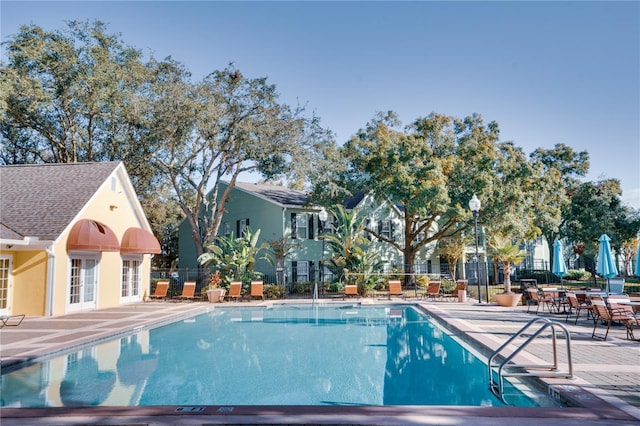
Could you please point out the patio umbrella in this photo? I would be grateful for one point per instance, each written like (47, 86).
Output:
(638, 261)
(559, 268)
(605, 266)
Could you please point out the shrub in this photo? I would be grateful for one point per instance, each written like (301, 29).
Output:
(447, 286)
(301, 287)
(274, 291)
(577, 275)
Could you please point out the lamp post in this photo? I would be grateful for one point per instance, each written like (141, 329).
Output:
(474, 206)
(322, 215)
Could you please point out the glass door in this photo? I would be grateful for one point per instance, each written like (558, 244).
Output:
(82, 283)
(5, 285)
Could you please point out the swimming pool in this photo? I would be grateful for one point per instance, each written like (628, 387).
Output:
(277, 355)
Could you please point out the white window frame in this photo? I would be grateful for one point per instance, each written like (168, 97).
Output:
(83, 278)
(131, 278)
(302, 226)
(226, 229)
(385, 232)
(7, 279)
(302, 265)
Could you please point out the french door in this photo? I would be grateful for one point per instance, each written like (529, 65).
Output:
(131, 279)
(5, 285)
(83, 283)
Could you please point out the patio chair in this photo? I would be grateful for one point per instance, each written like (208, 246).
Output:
(235, 290)
(11, 320)
(433, 290)
(538, 298)
(162, 287)
(350, 290)
(257, 289)
(575, 303)
(615, 313)
(395, 288)
(188, 291)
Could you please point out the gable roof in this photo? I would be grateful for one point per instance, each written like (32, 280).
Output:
(277, 194)
(40, 200)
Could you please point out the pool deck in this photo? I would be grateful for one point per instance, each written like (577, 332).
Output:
(606, 374)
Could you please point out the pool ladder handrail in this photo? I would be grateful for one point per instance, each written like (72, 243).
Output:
(551, 370)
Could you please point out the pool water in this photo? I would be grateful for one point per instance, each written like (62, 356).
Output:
(278, 355)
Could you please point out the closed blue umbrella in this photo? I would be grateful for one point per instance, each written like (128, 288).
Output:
(638, 261)
(559, 267)
(605, 266)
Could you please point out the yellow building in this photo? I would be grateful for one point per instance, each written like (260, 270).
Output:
(73, 237)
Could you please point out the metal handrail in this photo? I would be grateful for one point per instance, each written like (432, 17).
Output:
(498, 389)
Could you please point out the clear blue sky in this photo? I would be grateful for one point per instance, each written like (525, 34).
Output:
(547, 72)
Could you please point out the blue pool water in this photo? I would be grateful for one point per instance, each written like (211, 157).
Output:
(280, 355)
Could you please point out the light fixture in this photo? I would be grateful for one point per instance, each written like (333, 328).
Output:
(323, 215)
(474, 206)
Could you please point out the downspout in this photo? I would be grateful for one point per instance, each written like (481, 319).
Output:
(51, 266)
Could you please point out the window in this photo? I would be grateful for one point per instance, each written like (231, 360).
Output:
(226, 229)
(241, 225)
(300, 270)
(130, 287)
(301, 226)
(327, 275)
(385, 229)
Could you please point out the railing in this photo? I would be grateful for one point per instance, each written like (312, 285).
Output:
(551, 370)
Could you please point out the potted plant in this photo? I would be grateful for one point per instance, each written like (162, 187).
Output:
(214, 290)
(503, 250)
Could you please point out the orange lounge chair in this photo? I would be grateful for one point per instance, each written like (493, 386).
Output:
(395, 288)
(162, 287)
(188, 291)
(235, 290)
(257, 289)
(433, 290)
(350, 290)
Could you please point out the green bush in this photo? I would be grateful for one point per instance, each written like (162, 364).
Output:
(447, 286)
(577, 275)
(301, 287)
(274, 291)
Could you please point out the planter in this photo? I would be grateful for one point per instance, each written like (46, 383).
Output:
(216, 295)
(508, 300)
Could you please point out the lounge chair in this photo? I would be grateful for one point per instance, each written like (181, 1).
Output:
(188, 291)
(257, 289)
(395, 288)
(11, 320)
(615, 313)
(350, 290)
(235, 290)
(433, 290)
(162, 287)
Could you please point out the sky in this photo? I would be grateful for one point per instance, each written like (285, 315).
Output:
(547, 72)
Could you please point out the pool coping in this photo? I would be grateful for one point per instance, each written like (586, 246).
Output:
(572, 390)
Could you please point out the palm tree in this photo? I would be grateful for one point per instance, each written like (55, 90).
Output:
(349, 248)
(503, 250)
(235, 257)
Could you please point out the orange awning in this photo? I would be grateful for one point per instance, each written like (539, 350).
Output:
(91, 235)
(138, 240)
